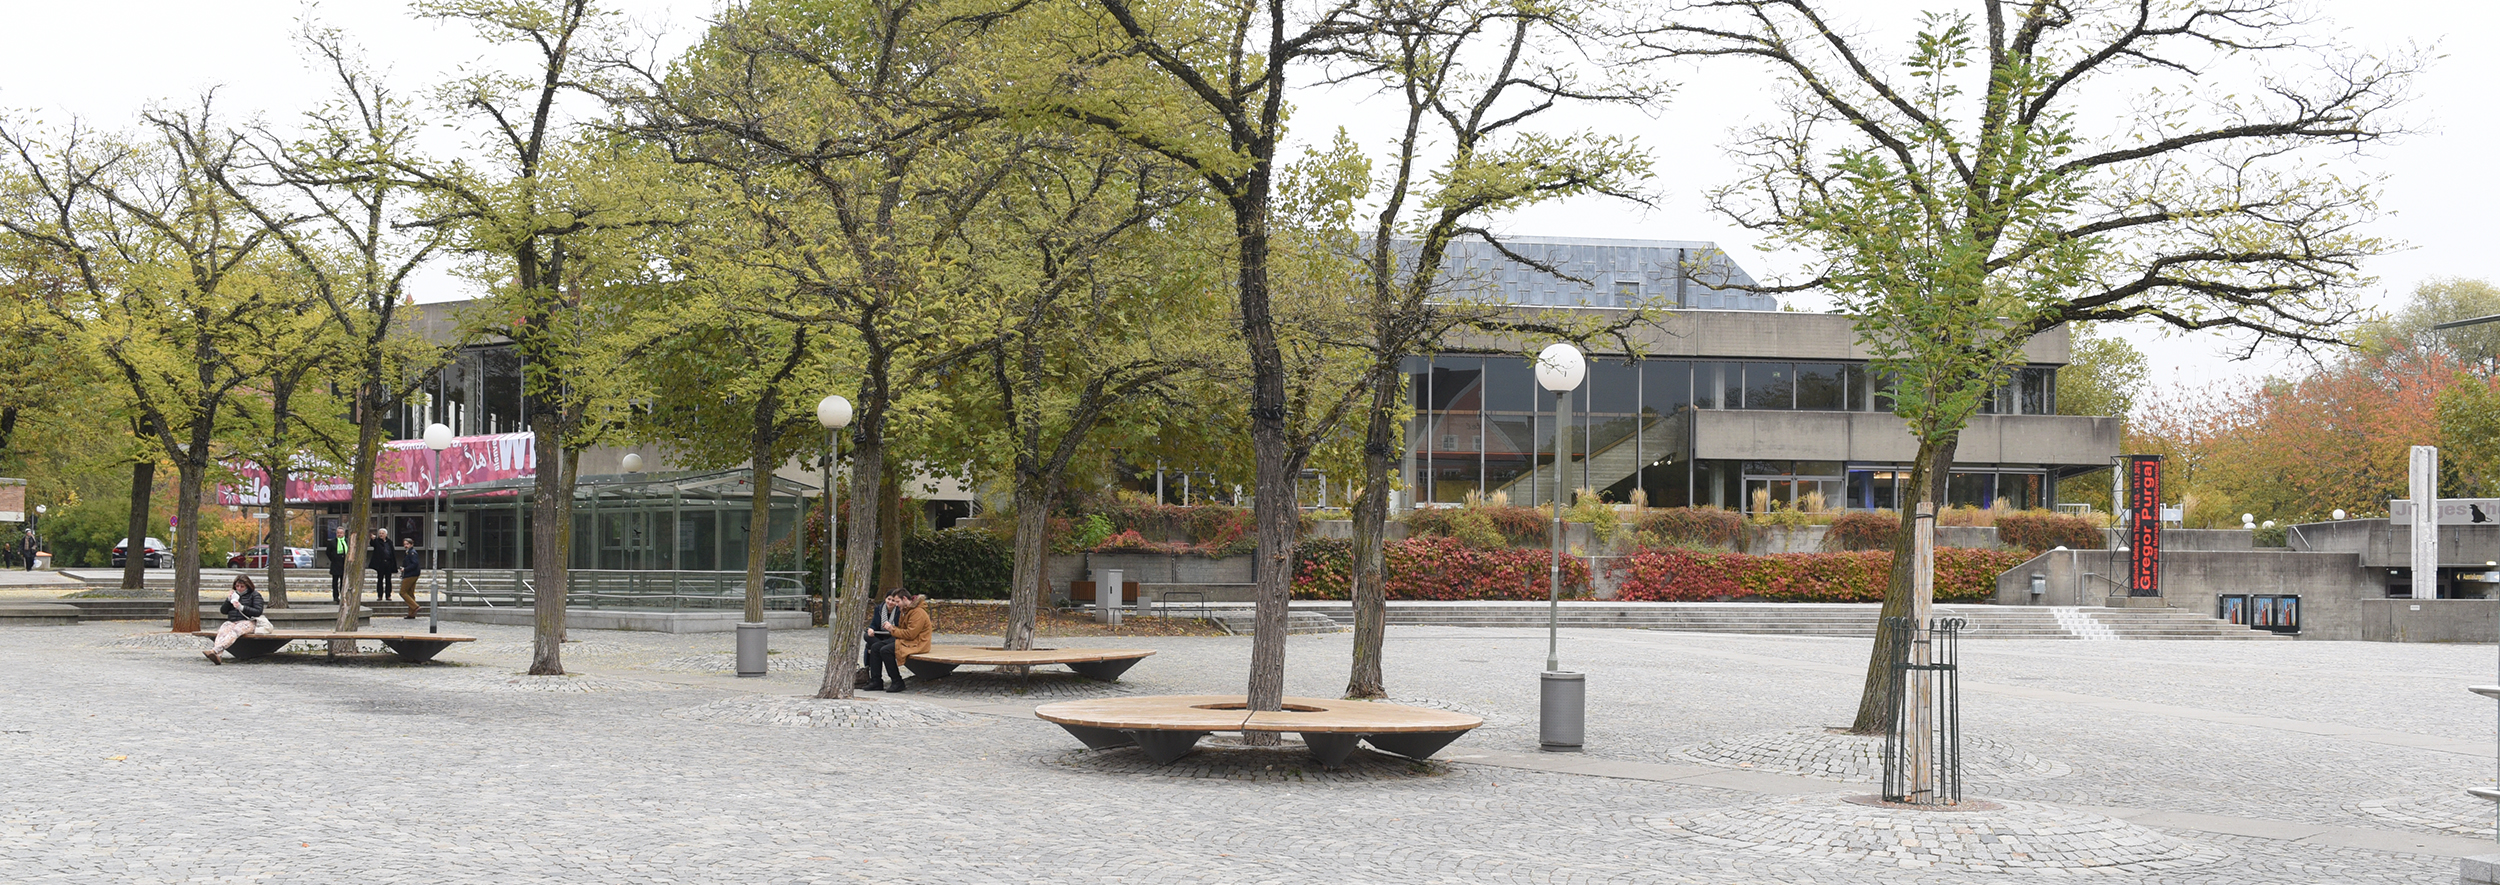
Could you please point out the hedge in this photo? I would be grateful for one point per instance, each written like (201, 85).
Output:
(1436, 568)
(2040, 531)
(1483, 526)
(1863, 530)
(1962, 575)
(1690, 527)
(965, 563)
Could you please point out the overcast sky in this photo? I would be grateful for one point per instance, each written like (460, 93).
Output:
(103, 60)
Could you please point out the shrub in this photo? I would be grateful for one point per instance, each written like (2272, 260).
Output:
(963, 563)
(2271, 536)
(1690, 527)
(1436, 568)
(1863, 530)
(1697, 576)
(2037, 530)
(1602, 520)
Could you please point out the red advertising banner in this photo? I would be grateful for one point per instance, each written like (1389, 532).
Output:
(406, 472)
(2144, 525)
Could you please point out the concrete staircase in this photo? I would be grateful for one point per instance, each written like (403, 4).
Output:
(1299, 621)
(1608, 465)
(1792, 619)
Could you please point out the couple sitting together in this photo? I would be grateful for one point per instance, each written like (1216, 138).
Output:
(898, 629)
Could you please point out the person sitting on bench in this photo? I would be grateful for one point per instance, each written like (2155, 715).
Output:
(243, 609)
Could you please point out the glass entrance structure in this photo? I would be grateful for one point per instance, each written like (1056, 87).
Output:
(691, 521)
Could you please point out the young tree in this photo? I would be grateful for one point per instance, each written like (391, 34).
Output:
(2104, 375)
(859, 184)
(1473, 76)
(167, 290)
(1963, 206)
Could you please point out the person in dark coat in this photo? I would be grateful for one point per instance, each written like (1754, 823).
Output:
(881, 624)
(336, 549)
(242, 609)
(384, 561)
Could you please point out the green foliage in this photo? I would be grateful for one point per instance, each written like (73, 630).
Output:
(1863, 530)
(959, 563)
(1962, 575)
(2277, 535)
(2103, 375)
(1482, 526)
(1602, 518)
(82, 534)
(1090, 531)
(2037, 530)
(1437, 568)
(1699, 527)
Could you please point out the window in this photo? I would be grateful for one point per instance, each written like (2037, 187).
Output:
(1666, 386)
(2037, 388)
(1821, 387)
(1770, 386)
(1627, 292)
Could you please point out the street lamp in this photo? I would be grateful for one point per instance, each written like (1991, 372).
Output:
(1562, 699)
(437, 438)
(834, 413)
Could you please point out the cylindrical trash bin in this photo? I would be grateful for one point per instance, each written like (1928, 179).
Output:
(1562, 711)
(751, 644)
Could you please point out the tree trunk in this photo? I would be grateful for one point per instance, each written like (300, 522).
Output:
(1371, 515)
(1032, 563)
(275, 544)
(759, 507)
(850, 611)
(1928, 476)
(1271, 448)
(890, 534)
(549, 518)
(134, 548)
(189, 473)
(359, 530)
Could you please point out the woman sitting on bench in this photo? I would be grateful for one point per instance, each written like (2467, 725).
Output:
(243, 610)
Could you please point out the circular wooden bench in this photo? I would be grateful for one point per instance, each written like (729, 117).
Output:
(415, 648)
(1105, 664)
(1168, 728)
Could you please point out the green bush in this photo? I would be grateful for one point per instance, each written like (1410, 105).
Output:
(82, 534)
(2273, 536)
(1707, 527)
(1484, 527)
(964, 563)
(2037, 530)
(1863, 530)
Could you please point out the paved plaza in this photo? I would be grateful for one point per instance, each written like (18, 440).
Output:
(131, 759)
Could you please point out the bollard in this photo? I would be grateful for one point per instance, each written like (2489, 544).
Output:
(1562, 711)
(751, 644)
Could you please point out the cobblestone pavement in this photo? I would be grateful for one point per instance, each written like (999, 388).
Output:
(133, 760)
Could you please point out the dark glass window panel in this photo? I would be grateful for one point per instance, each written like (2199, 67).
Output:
(584, 543)
(1766, 468)
(1770, 385)
(2033, 383)
(697, 541)
(1879, 387)
(1971, 490)
(1718, 483)
(501, 367)
(1821, 387)
(1731, 384)
(1815, 468)
(1666, 386)
(1458, 385)
(2021, 491)
(733, 537)
(1668, 483)
(1418, 382)
(1613, 387)
(1852, 387)
(451, 392)
(663, 547)
(1510, 386)
(1510, 447)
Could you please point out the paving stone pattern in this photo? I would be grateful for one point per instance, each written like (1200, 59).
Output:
(1819, 752)
(132, 760)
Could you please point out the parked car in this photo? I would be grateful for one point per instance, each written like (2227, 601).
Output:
(154, 555)
(258, 557)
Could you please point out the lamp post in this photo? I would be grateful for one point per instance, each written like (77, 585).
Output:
(1562, 699)
(38, 527)
(437, 438)
(834, 413)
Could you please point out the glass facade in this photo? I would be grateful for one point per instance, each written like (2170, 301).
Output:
(1482, 423)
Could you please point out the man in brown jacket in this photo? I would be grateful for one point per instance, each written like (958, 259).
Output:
(912, 629)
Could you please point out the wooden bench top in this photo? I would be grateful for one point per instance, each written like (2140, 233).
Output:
(376, 635)
(1226, 713)
(988, 656)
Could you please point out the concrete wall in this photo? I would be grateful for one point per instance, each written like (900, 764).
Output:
(2384, 545)
(2340, 598)
(1880, 437)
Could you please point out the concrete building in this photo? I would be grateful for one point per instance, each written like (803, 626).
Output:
(1730, 401)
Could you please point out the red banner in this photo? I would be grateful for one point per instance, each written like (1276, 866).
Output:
(406, 472)
(2144, 525)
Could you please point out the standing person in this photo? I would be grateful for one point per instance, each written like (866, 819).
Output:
(411, 565)
(881, 643)
(336, 549)
(242, 609)
(30, 548)
(383, 560)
